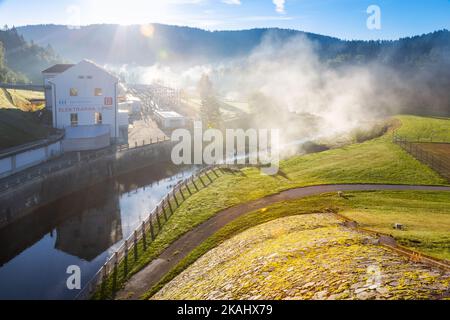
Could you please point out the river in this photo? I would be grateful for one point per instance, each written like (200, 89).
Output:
(82, 229)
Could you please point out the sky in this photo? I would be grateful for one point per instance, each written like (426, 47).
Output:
(345, 19)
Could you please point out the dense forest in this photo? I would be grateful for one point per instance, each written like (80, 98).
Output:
(417, 69)
(146, 45)
(22, 61)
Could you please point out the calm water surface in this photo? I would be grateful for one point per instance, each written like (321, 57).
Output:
(83, 229)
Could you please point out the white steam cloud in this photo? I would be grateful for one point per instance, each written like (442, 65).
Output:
(292, 76)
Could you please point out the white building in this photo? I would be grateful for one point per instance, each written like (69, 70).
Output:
(83, 100)
(170, 119)
(131, 104)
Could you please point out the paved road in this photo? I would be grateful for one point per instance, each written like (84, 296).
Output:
(154, 272)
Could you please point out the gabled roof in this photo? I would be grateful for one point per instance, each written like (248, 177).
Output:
(58, 68)
(84, 65)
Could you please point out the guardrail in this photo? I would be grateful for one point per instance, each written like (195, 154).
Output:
(414, 149)
(52, 166)
(149, 228)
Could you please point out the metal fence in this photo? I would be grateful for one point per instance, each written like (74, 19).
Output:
(68, 161)
(434, 162)
(150, 227)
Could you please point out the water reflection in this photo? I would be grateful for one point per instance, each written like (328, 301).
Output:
(82, 229)
(95, 230)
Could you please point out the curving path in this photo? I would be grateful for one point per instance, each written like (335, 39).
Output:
(142, 281)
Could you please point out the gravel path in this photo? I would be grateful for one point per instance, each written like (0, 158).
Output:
(153, 272)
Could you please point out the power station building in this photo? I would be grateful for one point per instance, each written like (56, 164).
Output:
(83, 99)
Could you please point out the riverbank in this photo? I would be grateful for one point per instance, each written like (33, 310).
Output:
(377, 161)
(83, 229)
(26, 197)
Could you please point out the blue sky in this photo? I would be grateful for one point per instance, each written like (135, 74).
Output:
(341, 18)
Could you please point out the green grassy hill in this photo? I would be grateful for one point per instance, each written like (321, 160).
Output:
(375, 161)
(19, 121)
(18, 127)
(425, 129)
(268, 242)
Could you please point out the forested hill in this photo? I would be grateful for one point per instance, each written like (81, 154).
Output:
(146, 45)
(23, 61)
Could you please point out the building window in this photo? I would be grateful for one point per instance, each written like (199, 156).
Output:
(98, 92)
(89, 77)
(98, 118)
(74, 119)
(80, 77)
(73, 92)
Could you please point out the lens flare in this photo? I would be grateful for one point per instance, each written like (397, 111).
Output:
(148, 30)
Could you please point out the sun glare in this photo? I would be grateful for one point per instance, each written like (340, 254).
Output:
(126, 12)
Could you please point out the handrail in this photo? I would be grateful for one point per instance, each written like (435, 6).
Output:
(39, 172)
(147, 225)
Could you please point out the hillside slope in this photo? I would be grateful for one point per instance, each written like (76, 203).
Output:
(25, 60)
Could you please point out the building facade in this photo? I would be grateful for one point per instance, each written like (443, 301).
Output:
(170, 119)
(83, 100)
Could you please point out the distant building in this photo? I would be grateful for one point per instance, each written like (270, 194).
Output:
(83, 101)
(131, 104)
(170, 119)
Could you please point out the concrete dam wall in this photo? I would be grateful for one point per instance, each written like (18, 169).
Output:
(24, 199)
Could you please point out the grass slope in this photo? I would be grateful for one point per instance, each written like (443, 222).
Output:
(18, 127)
(374, 161)
(304, 257)
(429, 129)
(425, 214)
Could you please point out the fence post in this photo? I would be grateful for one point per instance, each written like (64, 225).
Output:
(170, 205)
(163, 212)
(206, 173)
(152, 232)
(181, 192)
(144, 237)
(193, 182)
(175, 197)
(201, 180)
(125, 269)
(135, 245)
(187, 187)
(103, 284)
(157, 219)
(164, 208)
(116, 264)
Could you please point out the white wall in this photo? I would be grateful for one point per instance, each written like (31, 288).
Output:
(5, 166)
(86, 144)
(29, 158)
(86, 104)
(54, 149)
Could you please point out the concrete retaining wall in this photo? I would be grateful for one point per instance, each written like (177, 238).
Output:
(21, 160)
(21, 201)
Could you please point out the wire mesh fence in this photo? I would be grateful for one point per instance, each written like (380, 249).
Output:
(414, 148)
